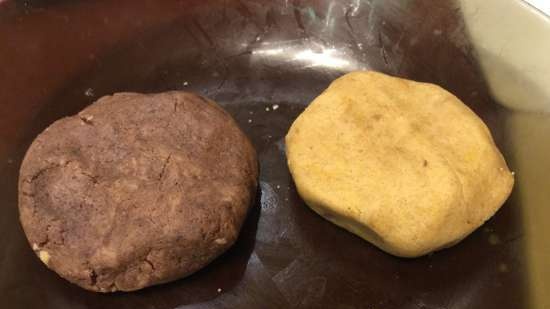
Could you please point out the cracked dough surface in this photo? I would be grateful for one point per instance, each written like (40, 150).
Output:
(136, 190)
(405, 165)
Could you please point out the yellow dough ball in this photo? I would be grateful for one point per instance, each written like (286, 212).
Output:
(404, 165)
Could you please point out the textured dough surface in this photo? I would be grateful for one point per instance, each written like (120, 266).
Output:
(136, 190)
(405, 165)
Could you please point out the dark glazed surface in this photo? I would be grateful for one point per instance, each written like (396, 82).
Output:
(263, 61)
(136, 190)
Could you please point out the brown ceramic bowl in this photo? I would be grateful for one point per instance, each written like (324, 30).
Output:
(56, 57)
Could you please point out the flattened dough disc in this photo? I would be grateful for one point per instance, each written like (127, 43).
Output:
(405, 165)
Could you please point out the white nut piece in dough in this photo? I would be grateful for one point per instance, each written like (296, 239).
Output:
(405, 165)
(44, 256)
